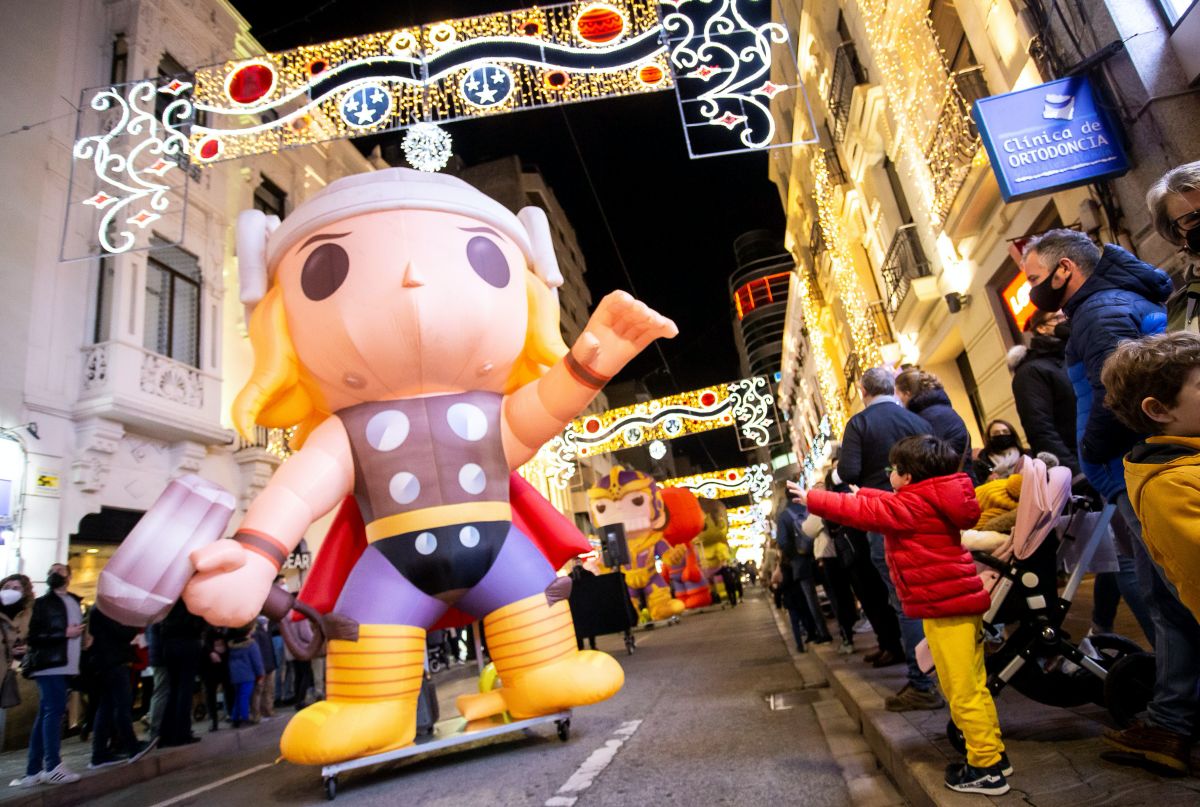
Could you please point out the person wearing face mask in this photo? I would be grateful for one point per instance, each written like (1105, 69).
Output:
(1001, 452)
(1174, 203)
(12, 602)
(1042, 389)
(55, 644)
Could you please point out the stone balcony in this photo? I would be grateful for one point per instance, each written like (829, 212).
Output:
(154, 395)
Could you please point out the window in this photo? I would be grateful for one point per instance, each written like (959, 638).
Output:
(897, 191)
(270, 199)
(104, 300)
(172, 303)
(120, 60)
(972, 387)
(948, 28)
(168, 68)
(1176, 9)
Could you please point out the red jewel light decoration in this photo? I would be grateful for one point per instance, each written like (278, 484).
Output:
(708, 399)
(650, 75)
(599, 24)
(209, 149)
(250, 82)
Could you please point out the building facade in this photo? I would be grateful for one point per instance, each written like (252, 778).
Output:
(907, 253)
(127, 364)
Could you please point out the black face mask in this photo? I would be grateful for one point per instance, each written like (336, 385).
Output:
(1062, 331)
(55, 580)
(1001, 442)
(1192, 238)
(1045, 297)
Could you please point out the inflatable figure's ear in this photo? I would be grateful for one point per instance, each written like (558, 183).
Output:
(253, 228)
(545, 264)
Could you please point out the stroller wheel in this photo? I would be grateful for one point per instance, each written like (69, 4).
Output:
(1129, 686)
(955, 736)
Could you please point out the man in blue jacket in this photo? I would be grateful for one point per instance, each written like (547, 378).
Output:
(1110, 296)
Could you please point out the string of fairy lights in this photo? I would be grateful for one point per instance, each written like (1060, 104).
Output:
(815, 312)
(865, 339)
(931, 116)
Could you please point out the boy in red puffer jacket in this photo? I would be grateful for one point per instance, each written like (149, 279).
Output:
(936, 581)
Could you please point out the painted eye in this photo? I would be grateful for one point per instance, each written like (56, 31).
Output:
(600, 508)
(638, 501)
(324, 272)
(488, 261)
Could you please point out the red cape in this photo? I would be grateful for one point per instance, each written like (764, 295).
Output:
(551, 532)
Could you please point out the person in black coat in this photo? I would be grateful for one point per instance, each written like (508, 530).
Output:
(1042, 389)
(922, 394)
(111, 653)
(181, 633)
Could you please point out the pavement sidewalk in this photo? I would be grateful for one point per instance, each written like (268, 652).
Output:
(227, 742)
(1056, 752)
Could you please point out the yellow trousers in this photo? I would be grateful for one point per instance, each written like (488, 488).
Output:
(957, 646)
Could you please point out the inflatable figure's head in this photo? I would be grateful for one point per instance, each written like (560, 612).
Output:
(716, 522)
(627, 497)
(392, 284)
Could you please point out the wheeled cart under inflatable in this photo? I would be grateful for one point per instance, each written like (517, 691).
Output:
(447, 734)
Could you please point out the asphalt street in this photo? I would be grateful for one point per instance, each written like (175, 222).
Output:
(693, 725)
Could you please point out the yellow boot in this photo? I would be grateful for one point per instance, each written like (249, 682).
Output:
(662, 605)
(533, 647)
(372, 687)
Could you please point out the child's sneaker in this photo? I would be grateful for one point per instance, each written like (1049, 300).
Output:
(966, 778)
(62, 775)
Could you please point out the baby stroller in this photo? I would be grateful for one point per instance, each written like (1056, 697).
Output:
(1038, 656)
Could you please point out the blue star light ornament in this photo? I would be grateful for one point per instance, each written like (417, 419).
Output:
(487, 86)
(366, 106)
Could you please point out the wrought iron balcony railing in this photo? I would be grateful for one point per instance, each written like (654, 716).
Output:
(880, 322)
(816, 240)
(853, 370)
(833, 164)
(905, 261)
(848, 73)
(955, 139)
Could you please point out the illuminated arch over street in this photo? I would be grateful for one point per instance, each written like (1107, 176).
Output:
(138, 141)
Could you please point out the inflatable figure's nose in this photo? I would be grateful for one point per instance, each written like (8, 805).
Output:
(412, 276)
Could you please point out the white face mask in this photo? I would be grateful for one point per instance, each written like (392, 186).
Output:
(9, 596)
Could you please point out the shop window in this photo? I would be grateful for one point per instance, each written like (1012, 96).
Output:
(972, 387)
(270, 199)
(105, 288)
(172, 304)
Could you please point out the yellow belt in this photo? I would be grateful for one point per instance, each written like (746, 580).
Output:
(429, 518)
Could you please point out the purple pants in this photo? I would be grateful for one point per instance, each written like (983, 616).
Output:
(377, 593)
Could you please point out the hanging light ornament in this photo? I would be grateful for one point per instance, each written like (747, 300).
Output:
(427, 147)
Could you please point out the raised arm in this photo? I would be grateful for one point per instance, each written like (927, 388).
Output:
(619, 329)
(234, 575)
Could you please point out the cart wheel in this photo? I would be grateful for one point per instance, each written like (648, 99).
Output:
(630, 644)
(435, 665)
(955, 736)
(564, 728)
(331, 787)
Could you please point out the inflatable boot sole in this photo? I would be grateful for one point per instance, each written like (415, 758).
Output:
(662, 605)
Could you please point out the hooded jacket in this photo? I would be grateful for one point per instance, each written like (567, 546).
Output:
(1122, 299)
(934, 407)
(1163, 475)
(1045, 399)
(922, 527)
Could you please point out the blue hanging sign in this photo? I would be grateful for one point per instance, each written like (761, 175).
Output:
(1048, 138)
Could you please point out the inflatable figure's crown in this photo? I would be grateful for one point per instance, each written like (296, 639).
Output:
(620, 482)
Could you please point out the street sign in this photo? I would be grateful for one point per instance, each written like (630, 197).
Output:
(1048, 138)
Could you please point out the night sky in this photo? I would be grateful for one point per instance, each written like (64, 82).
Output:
(673, 219)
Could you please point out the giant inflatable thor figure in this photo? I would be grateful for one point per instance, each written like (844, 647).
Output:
(408, 325)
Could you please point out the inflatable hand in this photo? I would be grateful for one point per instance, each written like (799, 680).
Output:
(676, 555)
(148, 572)
(230, 585)
(619, 329)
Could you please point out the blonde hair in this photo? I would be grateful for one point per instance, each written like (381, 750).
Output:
(281, 393)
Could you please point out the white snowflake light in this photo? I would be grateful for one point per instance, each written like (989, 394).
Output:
(658, 449)
(427, 147)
